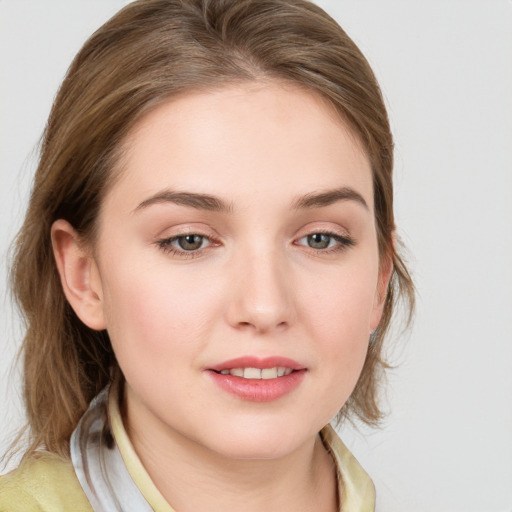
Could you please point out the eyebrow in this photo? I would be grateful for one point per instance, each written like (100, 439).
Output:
(215, 204)
(191, 199)
(328, 197)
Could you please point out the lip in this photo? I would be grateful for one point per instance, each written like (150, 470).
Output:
(258, 390)
(257, 362)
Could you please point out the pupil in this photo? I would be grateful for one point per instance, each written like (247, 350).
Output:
(190, 242)
(319, 241)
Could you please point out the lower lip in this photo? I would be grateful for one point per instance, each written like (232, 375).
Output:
(259, 390)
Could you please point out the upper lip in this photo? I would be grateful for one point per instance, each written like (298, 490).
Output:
(257, 362)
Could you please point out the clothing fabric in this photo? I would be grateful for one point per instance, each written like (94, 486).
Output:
(105, 474)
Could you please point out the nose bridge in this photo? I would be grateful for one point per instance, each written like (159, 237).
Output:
(262, 296)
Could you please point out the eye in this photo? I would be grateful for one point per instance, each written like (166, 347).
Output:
(319, 241)
(183, 244)
(190, 242)
(326, 241)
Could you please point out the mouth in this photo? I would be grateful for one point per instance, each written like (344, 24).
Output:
(258, 373)
(258, 380)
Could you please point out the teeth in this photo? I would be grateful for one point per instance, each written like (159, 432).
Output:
(269, 373)
(256, 373)
(252, 373)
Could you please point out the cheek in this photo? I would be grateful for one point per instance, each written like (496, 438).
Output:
(156, 318)
(342, 301)
(339, 317)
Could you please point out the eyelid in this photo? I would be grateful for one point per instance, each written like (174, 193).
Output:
(345, 241)
(166, 243)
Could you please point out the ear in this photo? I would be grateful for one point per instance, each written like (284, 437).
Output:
(79, 275)
(385, 272)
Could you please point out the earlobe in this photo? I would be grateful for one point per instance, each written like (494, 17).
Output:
(79, 275)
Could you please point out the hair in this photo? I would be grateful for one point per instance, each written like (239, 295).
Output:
(149, 52)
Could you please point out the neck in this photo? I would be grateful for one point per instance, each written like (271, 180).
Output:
(193, 478)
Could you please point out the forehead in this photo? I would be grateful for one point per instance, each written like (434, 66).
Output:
(239, 141)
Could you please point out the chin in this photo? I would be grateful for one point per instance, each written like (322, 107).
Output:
(264, 441)
(245, 449)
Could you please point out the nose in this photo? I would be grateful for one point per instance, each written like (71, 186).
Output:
(261, 297)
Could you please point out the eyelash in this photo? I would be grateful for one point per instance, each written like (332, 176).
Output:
(166, 245)
(344, 242)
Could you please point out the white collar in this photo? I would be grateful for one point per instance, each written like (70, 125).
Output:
(114, 479)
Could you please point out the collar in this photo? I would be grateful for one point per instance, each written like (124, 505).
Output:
(114, 479)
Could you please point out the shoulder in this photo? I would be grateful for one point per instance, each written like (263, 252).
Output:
(43, 483)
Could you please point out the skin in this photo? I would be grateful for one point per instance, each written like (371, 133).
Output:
(255, 287)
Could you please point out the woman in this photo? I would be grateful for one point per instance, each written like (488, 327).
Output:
(208, 265)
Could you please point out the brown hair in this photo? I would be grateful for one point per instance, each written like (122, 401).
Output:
(148, 52)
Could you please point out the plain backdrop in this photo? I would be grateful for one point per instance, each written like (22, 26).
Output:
(445, 67)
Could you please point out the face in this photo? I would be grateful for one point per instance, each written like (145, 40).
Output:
(237, 269)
